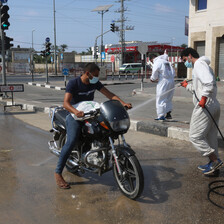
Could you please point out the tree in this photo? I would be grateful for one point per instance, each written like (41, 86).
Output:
(87, 52)
(184, 45)
(63, 47)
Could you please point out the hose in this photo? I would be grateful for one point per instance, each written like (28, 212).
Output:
(210, 116)
(212, 189)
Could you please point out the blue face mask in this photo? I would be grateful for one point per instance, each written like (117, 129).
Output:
(94, 80)
(188, 64)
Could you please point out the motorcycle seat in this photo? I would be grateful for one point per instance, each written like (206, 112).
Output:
(60, 116)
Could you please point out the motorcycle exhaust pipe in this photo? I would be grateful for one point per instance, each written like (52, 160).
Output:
(56, 152)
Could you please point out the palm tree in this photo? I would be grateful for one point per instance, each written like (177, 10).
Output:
(63, 47)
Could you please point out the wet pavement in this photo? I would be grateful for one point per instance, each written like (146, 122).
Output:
(175, 191)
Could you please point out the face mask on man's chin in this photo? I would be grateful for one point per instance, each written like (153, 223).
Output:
(188, 64)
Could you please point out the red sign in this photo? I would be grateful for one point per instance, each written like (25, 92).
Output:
(112, 58)
(12, 88)
(0, 68)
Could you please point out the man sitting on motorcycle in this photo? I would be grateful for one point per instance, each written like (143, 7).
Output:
(79, 89)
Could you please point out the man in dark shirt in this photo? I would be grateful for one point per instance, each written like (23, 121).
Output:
(79, 89)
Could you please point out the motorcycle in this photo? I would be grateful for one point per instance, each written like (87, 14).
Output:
(96, 151)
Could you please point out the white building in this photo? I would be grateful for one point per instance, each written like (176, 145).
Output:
(206, 31)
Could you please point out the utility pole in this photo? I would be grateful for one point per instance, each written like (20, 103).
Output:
(55, 56)
(5, 41)
(122, 29)
(32, 64)
(3, 51)
(122, 32)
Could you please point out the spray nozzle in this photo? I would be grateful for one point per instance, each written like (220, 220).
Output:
(186, 80)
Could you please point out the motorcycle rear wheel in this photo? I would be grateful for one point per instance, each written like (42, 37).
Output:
(131, 182)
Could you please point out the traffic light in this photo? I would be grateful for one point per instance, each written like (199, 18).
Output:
(48, 48)
(43, 53)
(4, 17)
(8, 45)
(112, 27)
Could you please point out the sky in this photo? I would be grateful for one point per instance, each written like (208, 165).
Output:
(77, 26)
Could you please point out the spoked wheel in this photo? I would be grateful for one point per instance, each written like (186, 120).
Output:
(71, 169)
(131, 180)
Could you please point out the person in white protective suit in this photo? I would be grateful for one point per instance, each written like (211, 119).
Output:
(163, 72)
(203, 132)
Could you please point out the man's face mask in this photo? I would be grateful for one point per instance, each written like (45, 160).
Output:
(188, 64)
(94, 80)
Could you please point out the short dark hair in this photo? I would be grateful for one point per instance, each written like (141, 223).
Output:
(151, 56)
(188, 51)
(91, 67)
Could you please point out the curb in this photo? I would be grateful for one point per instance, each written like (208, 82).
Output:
(46, 86)
(140, 126)
(160, 129)
(135, 125)
(63, 88)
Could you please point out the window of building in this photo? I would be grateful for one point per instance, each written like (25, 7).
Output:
(200, 47)
(201, 4)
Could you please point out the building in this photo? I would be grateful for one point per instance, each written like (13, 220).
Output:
(206, 31)
(132, 54)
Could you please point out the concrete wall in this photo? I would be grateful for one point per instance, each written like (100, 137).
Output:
(206, 25)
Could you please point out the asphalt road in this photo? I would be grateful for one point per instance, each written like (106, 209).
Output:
(175, 191)
(45, 97)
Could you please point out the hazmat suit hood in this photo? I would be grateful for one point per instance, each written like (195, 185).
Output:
(161, 57)
(204, 83)
(205, 59)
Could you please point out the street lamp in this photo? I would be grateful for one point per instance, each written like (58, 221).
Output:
(55, 55)
(32, 51)
(101, 10)
(32, 38)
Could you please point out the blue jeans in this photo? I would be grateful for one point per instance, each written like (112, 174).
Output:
(73, 129)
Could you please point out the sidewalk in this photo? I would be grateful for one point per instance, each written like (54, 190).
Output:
(183, 106)
(143, 113)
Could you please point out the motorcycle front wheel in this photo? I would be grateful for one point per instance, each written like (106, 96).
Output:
(131, 180)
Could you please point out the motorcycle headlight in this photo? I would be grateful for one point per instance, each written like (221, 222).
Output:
(120, 125)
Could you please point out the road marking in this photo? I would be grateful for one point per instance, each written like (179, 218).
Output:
(6, 150)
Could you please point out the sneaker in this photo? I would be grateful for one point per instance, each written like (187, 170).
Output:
(204, 167)
(168, 115)
(160, 118)
(213, 166)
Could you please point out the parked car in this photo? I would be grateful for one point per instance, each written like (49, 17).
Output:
(130, 68)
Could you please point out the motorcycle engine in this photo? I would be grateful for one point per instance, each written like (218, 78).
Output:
(95, 155)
